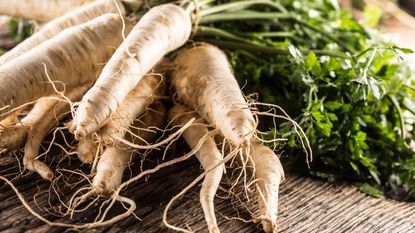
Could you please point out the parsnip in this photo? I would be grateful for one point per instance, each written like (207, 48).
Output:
(41, 10)
(15, 136)
(41, 127)
(269, 174)
(208, 155)
(203, 79)
(10, 120)
(135, 104)
(87, 149)
(72, 58)
(114, 160)
(162, 29)
(53, 28)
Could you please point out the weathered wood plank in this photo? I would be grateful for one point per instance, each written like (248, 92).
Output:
(306, 205)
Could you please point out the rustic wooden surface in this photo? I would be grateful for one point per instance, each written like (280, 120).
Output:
(306, 205)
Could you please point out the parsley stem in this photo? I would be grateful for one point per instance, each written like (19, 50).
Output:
(241, 5)
(271, 50)
(211, 31)
(254, 15)
(243, 15)
(399, 111)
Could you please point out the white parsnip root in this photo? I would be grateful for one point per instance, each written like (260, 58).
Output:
(87, 149)
(208, 155)
(13, 131)
(115, 160)
(268, 175)
(33, 128)
(13, 137)
(53, 28)
(203, 80)
(41, 10)
(150, 88)
(49, 112)
(162, 29)
(10, 120)
(58, 61)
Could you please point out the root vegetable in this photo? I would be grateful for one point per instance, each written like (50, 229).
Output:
(162, 29)
(38, 130)
(110, 169)
(87, 149)
(74, 57)
(269, 174)
(15, 136)
(41, 10)
(53, 28)
(114, 160)
(135, 104)
(203, 79)
(208, 155)
(10, 120)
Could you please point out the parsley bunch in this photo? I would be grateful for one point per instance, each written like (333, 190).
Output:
(342, 81)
